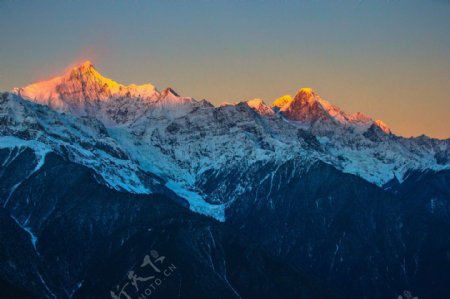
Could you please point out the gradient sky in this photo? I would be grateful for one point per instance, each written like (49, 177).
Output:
(387, 59)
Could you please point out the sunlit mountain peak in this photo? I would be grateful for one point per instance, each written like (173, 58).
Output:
(259, 106)
(383, 126)
(82, 83)
(306, 91)
(256, 102)
(82, 90)
(281, 101)
(85, 64)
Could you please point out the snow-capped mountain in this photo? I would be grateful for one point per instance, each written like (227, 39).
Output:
(82, 91)
(309, 108)
(183, 140)
(81, 139)
(90, 162)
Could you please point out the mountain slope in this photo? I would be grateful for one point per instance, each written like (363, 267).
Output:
(353, 143)
(84, 140)
(339, 226)
(75, 238)
(333, 194)
(83, 91)
(183, 140)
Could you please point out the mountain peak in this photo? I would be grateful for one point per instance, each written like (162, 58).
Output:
(83, 67)
(259, 106)
(281, 101)
(256, 102)
(306, 91)
(384, 127)
(306, 95)
(305, 107)
(169, 92)
(81, 83)
(85, 64)
(308, 107)
(86, 71)
(82, 90)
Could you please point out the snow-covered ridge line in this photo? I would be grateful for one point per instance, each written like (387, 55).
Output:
(84, 141)
(83, 91)
(98, 86)
(123, 136)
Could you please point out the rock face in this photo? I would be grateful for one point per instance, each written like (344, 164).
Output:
(64, 235)
(338, 226)
(94, 175)
(85, 92)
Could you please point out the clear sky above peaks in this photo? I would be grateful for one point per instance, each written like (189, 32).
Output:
(388, 59)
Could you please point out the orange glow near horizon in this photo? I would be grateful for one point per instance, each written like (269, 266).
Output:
(233, 51)
(277, 101)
